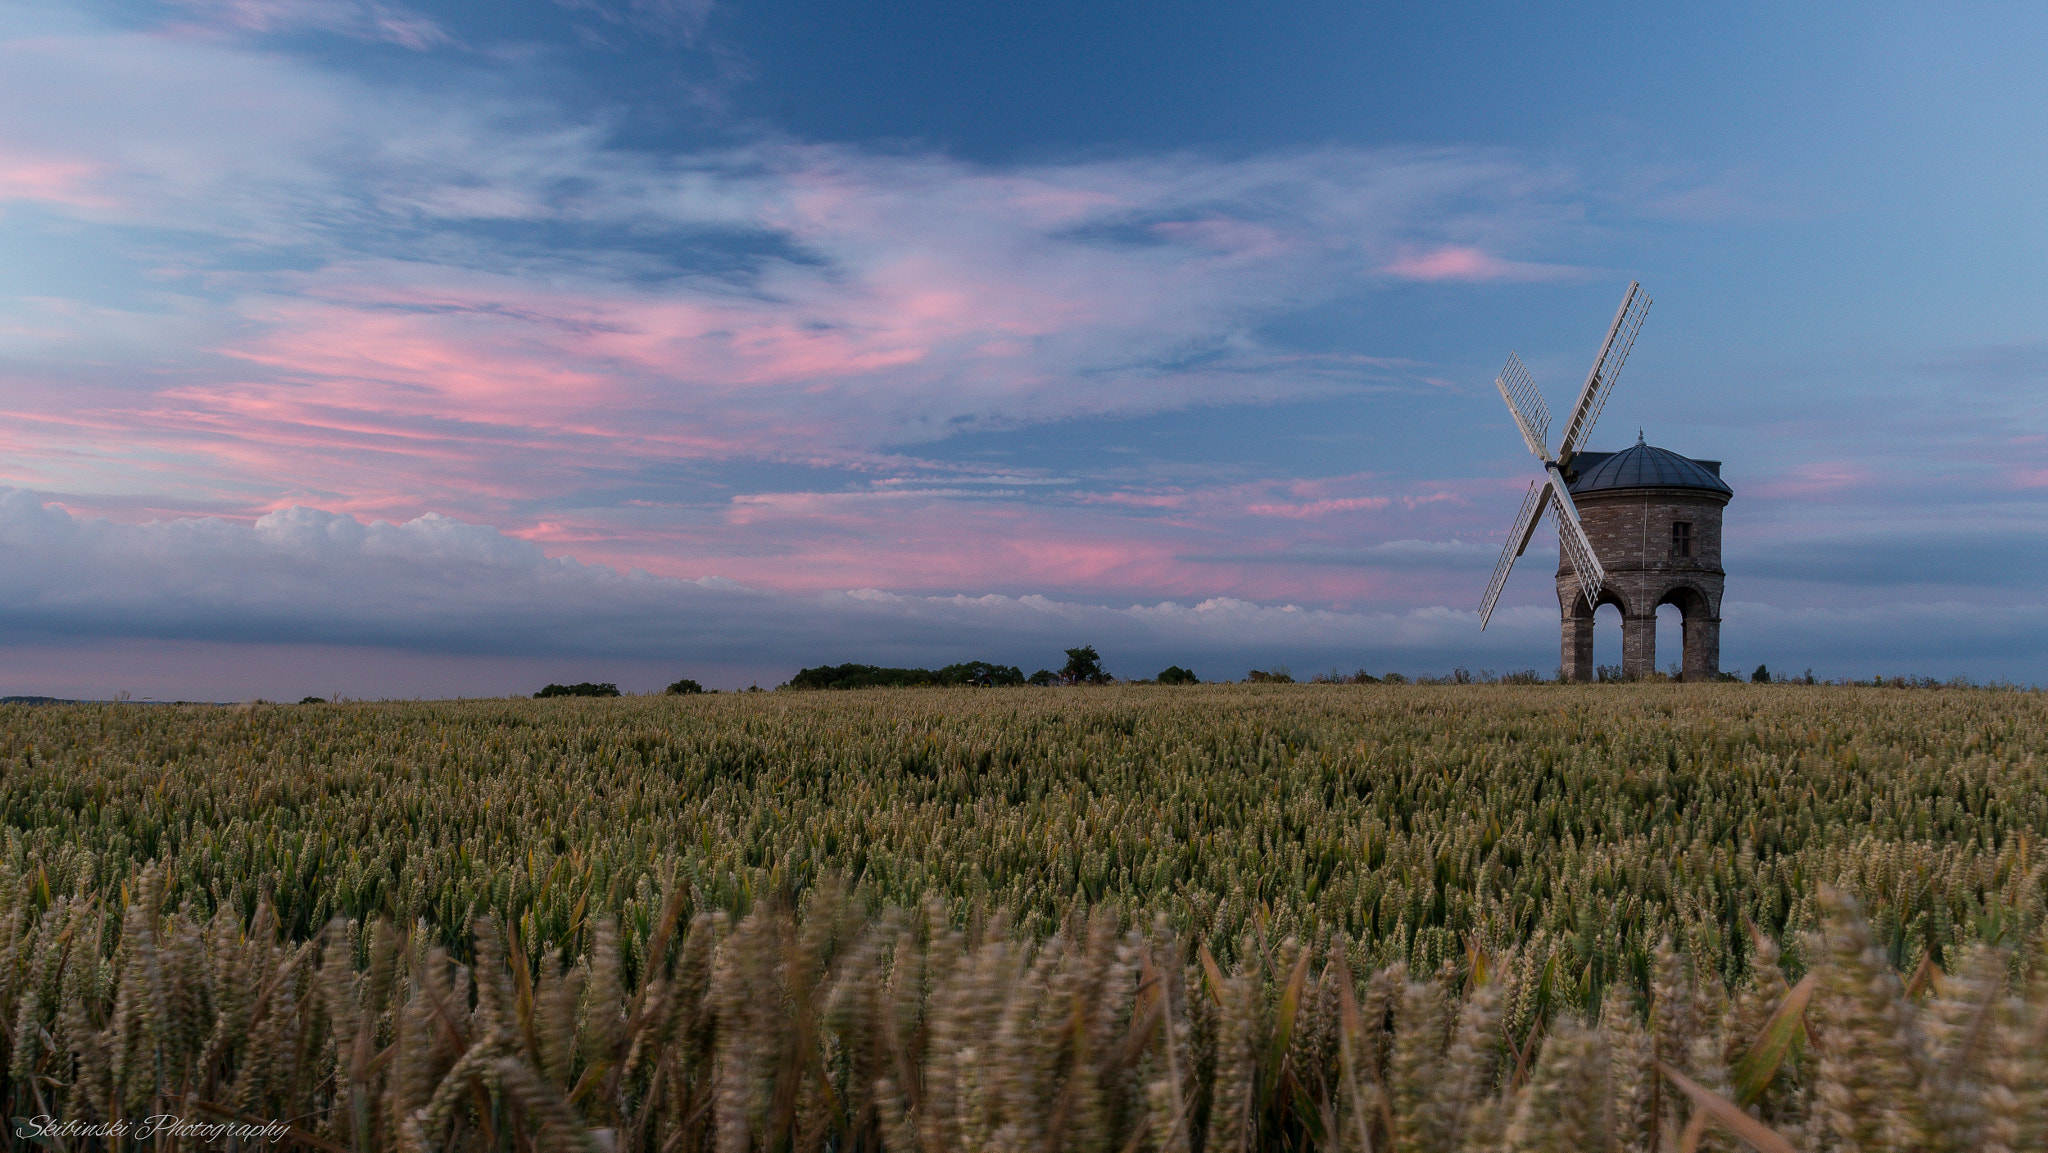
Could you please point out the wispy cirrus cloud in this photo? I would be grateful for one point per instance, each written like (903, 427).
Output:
(1312, 508)
(1817, 480)
(1430, 555)
(1462, 262)
(443, 283)
(677, 19)
(744, 358)
(357, 19)
(54, 181)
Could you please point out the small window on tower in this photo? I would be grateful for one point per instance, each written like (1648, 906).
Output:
(1681, 538)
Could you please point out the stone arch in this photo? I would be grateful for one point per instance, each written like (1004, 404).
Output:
(1577, 608)
(1575, 658)
(1690, 599)
(1701, 621)
(1629, 641)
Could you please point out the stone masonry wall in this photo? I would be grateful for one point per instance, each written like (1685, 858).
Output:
(1630, 530)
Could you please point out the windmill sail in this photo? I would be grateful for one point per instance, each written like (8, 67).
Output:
(1525, 404)
(1621, 336)
(1518, 543)
(1571, 540)
(1532, 417)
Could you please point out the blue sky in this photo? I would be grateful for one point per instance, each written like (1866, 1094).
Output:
(780, 334)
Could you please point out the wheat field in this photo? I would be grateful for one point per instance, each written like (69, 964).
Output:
(1217, 918)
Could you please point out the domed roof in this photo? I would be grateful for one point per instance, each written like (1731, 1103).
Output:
(1645, 466)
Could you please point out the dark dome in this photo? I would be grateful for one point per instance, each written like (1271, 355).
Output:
(1645, 466)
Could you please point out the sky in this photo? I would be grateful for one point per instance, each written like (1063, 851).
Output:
(391, 350)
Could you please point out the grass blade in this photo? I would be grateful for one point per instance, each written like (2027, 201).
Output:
(1756, 1134)
(1785, 1031)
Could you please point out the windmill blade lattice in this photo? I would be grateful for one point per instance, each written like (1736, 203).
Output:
(1621, 336)
(1518, 543)
(1525, 404)
(1553, 495)
(1571, 540)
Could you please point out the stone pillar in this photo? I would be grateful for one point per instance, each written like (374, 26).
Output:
(1702, 646)
(1639, 644)
(1575, 656)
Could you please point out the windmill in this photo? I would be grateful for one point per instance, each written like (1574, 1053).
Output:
(1552, 494)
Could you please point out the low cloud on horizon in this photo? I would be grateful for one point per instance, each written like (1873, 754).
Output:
(439, 607)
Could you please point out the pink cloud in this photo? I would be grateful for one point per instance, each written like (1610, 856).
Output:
(1319, 507)
(1154, 500)
(929, 297)
(1457, 262)
(56, 181)
(949, 539)
(1817, 480)
(827, 541)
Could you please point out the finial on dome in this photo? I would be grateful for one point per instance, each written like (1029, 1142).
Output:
(1639, 436)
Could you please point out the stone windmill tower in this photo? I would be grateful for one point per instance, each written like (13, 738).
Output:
(1636, 529)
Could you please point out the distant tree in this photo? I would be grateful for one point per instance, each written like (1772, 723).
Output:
(1084, 666)
(1042, 678)
(1393, 679)
(1762, 675)
(852, 676)
(311, 701)
(582, 689)
(856, 676)
(1275, 676)
(683, 688)
(980, 673)
(1176, 675)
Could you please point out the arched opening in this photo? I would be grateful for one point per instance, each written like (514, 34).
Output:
(1683, 605)
(1607, 653)
(1670, 639)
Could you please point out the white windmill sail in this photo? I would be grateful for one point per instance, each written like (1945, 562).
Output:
(1571, 540)
(1621, 336)
(1552, 494)
(1533, 507)
(1525, 404)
